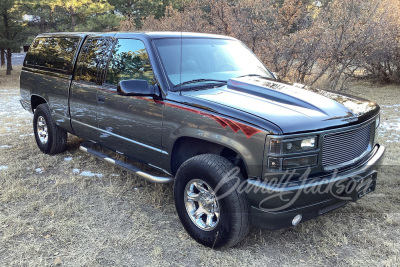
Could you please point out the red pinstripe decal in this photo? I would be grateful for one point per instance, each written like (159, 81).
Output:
(235, 126)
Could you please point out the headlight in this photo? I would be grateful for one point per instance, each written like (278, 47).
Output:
(281, 150)
(287, 146)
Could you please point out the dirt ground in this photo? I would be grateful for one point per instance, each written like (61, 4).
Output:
(73, 210)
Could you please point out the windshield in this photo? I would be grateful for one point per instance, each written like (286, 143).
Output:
(206, 61)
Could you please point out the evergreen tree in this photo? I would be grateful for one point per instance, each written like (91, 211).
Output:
(12, 30)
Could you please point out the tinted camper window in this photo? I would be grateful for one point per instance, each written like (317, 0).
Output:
(53, 53)
(33, 52)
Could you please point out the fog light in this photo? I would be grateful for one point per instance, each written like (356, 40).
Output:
(296, 219)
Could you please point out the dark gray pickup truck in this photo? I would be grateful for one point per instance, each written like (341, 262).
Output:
(241, 148)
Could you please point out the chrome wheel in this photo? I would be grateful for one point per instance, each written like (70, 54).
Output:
(201, 204)
(42, 130)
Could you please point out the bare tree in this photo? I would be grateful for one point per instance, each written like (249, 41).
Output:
(302, 40)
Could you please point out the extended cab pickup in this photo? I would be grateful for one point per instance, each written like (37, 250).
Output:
(240, 147)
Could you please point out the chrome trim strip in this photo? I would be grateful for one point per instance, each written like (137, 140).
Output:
(121, 137)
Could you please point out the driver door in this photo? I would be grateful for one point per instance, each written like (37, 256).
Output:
(129, 124)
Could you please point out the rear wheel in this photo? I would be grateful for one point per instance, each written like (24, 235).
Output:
(208, 204)
(50, 138)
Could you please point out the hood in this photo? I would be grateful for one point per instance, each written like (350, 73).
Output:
(293, 108)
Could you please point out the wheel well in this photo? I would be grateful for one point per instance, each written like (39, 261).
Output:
(36, 101)
(188, 147)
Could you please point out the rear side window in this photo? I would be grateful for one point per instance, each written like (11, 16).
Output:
(129, 60)
(91, 57)
(53, 53)
(33, 52)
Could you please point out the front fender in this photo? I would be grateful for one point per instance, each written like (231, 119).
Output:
(245, 139)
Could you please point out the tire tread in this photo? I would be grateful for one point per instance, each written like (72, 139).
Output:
(57, 136)
(239, 202)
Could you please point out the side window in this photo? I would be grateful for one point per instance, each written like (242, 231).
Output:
(91, 57)
(33, 52)
(60, 53)
(129, 60)
(53, 53)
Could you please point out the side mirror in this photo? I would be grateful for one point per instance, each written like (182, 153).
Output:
(136, 88)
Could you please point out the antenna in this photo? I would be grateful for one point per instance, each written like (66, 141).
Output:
(180, 69)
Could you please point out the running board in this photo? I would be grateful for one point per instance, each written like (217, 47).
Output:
(128, 167)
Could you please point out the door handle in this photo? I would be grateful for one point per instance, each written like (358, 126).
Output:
(101, 99)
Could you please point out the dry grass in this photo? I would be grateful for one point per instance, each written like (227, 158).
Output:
(10, 81)
(53, 215)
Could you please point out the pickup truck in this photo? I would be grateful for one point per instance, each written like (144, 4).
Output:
(240, 147)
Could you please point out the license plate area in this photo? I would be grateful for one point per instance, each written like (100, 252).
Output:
(362, 186)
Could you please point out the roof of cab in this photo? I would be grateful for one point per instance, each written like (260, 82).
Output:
(64, 34)
(158, 35)
(152, 35)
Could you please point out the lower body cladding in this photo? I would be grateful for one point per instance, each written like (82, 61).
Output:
(276, 205)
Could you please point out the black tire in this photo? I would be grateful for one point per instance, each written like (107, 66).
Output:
(56, 141)
(234, 221)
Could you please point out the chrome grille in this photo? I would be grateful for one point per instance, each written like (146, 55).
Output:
(341, 148)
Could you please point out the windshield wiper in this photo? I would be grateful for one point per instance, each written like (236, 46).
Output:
(256, 75)
(199, 81)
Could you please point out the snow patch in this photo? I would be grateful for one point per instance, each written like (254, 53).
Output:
(91, 174)
(389, 127)
(5, 146)
(390, 106)
(391, 130)
(38, 170)
(67, 158)
(3, 167)
(87, 173)
(24, 135)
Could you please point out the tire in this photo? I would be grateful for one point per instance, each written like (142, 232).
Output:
(229, 211)
(50, 138)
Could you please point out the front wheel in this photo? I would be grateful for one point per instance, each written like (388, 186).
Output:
(210, 208)
(50, 138)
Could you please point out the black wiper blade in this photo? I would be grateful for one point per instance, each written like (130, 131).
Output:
(256, 75)
(199, 81)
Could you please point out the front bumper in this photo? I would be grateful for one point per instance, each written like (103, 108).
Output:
(274, 204)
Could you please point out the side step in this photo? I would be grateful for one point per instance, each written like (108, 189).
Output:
(86, 147)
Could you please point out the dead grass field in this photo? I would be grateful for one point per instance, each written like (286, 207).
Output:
(73, 210)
